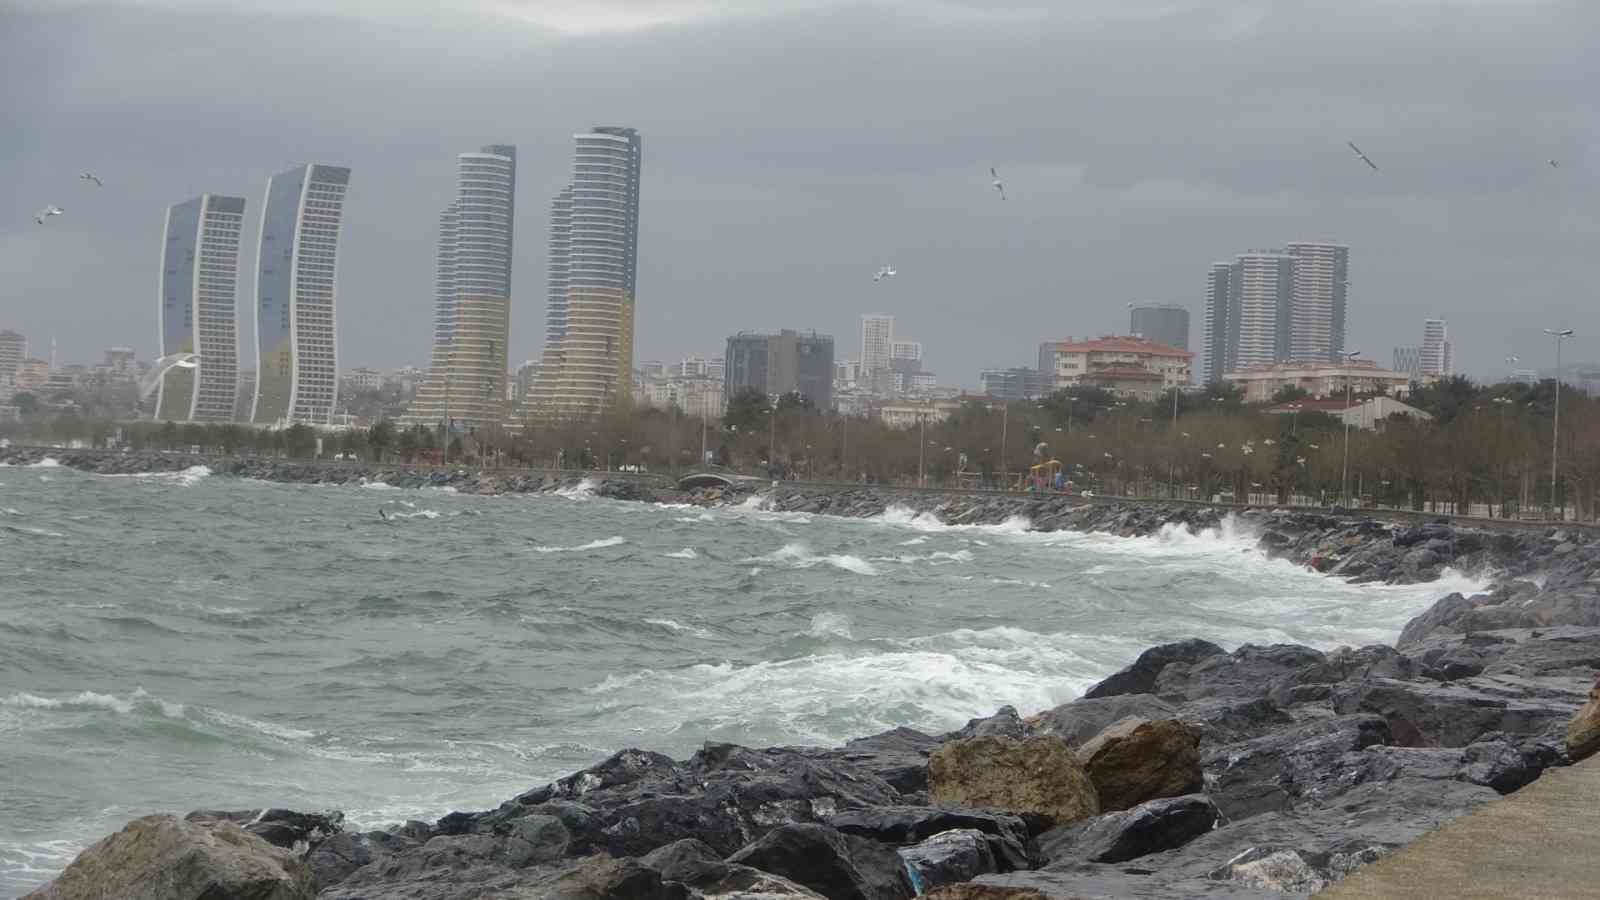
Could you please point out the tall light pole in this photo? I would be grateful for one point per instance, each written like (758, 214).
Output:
(1344, 479)
(1005, 422)
(1555, 428)
(922, 448)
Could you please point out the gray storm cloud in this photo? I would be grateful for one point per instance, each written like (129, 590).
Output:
(791, 149)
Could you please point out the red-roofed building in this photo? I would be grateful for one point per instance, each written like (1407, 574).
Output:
(1127, 366)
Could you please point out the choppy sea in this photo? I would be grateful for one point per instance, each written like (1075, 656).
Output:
(178, 641)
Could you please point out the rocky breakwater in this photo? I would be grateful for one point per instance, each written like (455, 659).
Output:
(1357, 547)
(1267, 771)
(463, 479)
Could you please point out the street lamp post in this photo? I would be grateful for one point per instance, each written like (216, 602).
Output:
(1005, 423)
(1555, 428)
(1344, 478)
(922, 448)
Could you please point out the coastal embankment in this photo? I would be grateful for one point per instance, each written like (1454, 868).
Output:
(1196, 770)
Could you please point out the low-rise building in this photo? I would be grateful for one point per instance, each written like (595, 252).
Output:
(1126, 365)
(362, 378)
(910, 414)
(1319, 379)
(1016, 383)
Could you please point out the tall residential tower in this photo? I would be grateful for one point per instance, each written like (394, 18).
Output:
(297, 361)
(199, 308)
(466, 381)
(1276, 306)
(594, 244)
(1437, 357)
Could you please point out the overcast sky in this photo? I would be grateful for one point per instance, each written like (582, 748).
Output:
(794, 146)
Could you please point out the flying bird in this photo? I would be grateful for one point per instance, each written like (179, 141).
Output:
(885, 272)
(998, 184)
(1553, 164)
(90, 176)
(46, 213)
(1362, 156)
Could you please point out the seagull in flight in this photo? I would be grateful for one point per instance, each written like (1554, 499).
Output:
(46, 213)
(885, 272)
(998, 184)
(1362, 156)
(1553, 164)
(90, 176)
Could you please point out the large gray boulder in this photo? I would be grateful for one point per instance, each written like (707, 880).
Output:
(1140, 676)
(948, 857)
(167, 858)
(833, 864)
(1114, 837)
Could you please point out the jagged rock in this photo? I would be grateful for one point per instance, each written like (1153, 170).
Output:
(694, 863)
(1038, 776)
(1227, 720)
(899, 757)
(278, 827)
(1247, 672)
(1080, 720)
(833, 864)
(1281, 871)
(985, 892)
(725, 795)
(1583, 733)
(1140, 677)
(1500, 762)
(1128, 834)
(1454, 714)
(167, 858)
(1007, 835)
(948, 857)
(336, 858)
(1247, 779)
(1004, 723)
(1138, 759)
(598, 878)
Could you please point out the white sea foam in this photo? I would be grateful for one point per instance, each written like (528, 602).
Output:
(799, 556)
(932, 683)
(830, 624)
(36, 532)
(685, 553)
(583, 490)
(671, 625)
(47, 463)
(592, 545)
(415, 514)
(378, 486)
(914, 542)
(937, 556)
(10, 510)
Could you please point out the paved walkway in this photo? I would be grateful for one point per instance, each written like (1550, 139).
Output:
(1541, 843)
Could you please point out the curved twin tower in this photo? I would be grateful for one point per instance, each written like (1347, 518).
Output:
(297, 363)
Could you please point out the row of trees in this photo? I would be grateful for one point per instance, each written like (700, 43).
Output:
(1487, 449)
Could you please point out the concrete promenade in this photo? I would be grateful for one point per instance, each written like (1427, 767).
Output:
(1541, 843)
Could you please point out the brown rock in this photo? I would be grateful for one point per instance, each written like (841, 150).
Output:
(166, 858)
(1142, 759)
(1583, 733)
(1037, 776)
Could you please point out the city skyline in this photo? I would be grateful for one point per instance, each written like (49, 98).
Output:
(767, 211)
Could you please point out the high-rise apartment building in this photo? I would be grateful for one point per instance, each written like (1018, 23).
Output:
(1272, 306)
(782, 363)
(1408, 360)
(1164, 323)
(1219, 327)
(297, 356)
(877, 343)
(466, 380)
(1437, 358)
(13, 350)
(904, 349)
(199, 308)
(594, 249)
(1317, 319)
